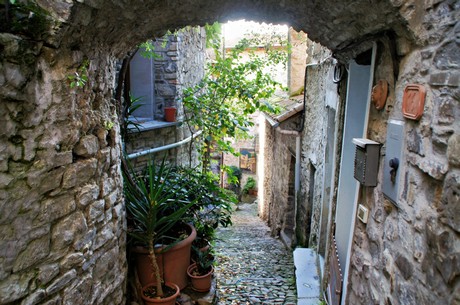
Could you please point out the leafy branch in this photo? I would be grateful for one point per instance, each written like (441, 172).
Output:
(80, 77)
(231, 91)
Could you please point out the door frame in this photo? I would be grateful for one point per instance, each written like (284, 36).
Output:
(346, 175)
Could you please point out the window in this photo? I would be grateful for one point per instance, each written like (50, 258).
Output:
(142, 82)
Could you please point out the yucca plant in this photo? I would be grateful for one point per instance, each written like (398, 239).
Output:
(154, 208)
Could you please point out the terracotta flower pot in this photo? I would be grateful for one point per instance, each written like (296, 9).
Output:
(170, 114)
(170, 300)
(200, 283)
(173, 263)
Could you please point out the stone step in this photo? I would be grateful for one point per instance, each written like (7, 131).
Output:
(307, 277)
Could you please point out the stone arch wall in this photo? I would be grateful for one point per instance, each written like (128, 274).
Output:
(61, 212)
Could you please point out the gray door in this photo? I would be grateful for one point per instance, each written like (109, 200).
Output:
(355, 125)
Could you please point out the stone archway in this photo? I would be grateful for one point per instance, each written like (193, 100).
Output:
(60, 184)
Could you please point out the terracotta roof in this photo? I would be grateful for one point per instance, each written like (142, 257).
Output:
(290, 106)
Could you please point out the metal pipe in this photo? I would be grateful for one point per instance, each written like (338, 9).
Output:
(165, 147)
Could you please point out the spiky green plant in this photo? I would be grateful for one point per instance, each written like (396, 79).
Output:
(154, 208)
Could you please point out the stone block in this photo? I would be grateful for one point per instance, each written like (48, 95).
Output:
(80, 293)
(34, 298)
(87, 146)
(450, 79)
(85, 243)
(5, 180)
(14, 287)
(104, 159)
(57, 300)
(77, 174)
(46, 273)
(67, 230)
(450, 209)
(71, 261)
(448, 260)
(101, 134)
(446, 111)
(447, 56)
(453, 150)
(14, 76)
(61, 282)
(414, 142)
(404, 265)
(165, 90)
(103, 237)
(111, 199)
(407, 295)
(55, 208)
(436, 168)
(36, 251)
(48, 181)
(87, 194)
(104, 266)
(108, 185)
(96, 211)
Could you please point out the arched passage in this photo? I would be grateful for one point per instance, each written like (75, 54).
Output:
(122, 24)
(61, 208)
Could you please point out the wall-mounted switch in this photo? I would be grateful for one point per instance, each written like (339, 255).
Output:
(363, 213)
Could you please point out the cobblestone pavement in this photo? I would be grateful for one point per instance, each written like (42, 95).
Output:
(253, 267)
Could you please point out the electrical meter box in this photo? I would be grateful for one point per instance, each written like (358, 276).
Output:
(366, 161)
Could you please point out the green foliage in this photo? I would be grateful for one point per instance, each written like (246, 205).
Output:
(153, 204)
(232, 90)
(213, 35)
(153, 209)
(212, 204)
(129, 122)
(26, 18)
(204, 260)
(233, 175)
(147, 49)
(80, 77)
(250, 184)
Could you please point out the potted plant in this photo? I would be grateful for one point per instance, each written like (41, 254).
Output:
(201, 271)
(250, 187)
(154, 210)
(213, 204)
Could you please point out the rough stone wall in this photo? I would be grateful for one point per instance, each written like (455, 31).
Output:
(297, 61)
(279, 149)
(265, 165)
(190, 70)
(56, 180)
(139, 141)
(410, 254)
(61, 212)
(180, 63)
(313, 153)
(166, 73)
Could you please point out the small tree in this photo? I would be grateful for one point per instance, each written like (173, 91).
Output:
(231, 90)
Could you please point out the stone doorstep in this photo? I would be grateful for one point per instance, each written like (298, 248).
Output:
(307, 277)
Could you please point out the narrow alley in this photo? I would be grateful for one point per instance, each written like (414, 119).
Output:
(253, 267)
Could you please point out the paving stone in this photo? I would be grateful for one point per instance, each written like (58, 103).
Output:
(253, 267)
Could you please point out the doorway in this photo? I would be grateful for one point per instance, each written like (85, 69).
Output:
(355, 125)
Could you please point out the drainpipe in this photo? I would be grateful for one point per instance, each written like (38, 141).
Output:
(165, 147)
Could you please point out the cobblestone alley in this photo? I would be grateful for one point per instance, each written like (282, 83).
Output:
(253, 267)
